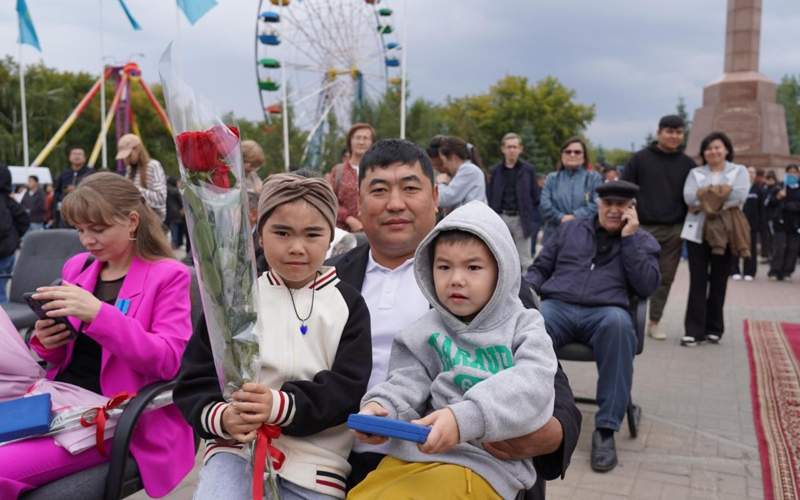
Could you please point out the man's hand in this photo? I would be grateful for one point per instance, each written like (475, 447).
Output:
(567, 218)
(542, 441)
(69, 300)
(253, 402)
(781, 194)
(372, 408)
(237, 427)
(630, 221)
(354, 224)
(444, 431)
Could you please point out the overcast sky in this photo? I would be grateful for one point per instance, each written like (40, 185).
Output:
(631, 58)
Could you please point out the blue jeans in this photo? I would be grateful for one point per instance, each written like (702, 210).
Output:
(6, 267)
(609, 331)
(230, 477)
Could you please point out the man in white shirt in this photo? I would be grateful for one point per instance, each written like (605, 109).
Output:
(397, 207)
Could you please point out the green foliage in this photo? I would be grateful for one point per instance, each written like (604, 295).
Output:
(789, 97)
(680, 110)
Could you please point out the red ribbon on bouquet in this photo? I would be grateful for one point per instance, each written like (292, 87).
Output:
(100, 417)
(266, 433)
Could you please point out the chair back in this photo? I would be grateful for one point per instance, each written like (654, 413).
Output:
(41, 257)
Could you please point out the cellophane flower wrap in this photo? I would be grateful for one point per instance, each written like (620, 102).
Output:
(215, 204)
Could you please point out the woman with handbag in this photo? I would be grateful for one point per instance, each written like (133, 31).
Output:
(129, 300)
(713, 192)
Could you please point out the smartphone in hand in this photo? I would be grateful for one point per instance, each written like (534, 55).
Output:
(36, 307)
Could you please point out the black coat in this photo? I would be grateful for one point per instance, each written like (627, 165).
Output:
(351, 268)
(14, 220)
(527, 193)
(571, 269)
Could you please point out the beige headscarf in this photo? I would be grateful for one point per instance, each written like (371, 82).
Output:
(285, 188)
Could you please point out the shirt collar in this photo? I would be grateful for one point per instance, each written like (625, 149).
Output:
(373, 266)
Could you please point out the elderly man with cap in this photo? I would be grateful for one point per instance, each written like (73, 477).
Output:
(585, 276)
(146, 173)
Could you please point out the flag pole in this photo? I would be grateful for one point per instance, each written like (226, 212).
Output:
(103, 91)
(403, 72)
(24, 108)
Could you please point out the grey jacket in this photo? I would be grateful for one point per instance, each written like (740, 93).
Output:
(568, 192)
(469, 184)
(495, 373)
(735, 175)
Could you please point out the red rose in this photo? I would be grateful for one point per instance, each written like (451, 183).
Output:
(221, 176)
(198, 151)
(224, 138)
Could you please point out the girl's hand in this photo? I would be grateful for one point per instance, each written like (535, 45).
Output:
(51, 335)
(444, 431)
(237, 427)
(372, 408)
(69, 300)
(253, 402)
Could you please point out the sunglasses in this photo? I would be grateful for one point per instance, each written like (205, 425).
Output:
(572, 152)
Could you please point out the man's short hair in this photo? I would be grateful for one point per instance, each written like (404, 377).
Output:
(760, 172)
(509, 136)
(390, 151)
(671, 121)
(34, 178)
(70, 149)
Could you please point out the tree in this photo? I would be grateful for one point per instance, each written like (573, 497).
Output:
(680, 110)
(789, 97)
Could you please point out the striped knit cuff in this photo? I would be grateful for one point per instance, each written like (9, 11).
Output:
(283, 408)
(211, 419)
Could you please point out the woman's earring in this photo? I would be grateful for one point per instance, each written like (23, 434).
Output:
(132, 237)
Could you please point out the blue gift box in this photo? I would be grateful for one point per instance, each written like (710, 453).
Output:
(23, 417)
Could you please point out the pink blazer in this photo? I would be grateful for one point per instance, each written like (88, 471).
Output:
(140, 347)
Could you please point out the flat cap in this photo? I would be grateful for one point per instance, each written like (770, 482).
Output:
(617, 190)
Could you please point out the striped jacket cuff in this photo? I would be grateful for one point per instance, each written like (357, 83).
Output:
(283, 408)
(211, 419)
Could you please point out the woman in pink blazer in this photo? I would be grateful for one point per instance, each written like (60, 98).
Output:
(131, 305)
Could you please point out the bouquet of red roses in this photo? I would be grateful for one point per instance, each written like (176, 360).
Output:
(215, 205)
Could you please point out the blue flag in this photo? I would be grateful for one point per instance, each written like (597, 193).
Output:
(195, 9)
(27, 33)
(134, 24)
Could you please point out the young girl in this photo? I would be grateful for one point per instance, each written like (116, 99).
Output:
(131, 305)
(316, 359)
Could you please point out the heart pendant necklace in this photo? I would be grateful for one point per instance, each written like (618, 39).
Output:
(303, 326)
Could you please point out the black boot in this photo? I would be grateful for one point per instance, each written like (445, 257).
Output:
(604, 452)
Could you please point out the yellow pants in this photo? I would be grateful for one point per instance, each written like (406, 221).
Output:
(398, 480)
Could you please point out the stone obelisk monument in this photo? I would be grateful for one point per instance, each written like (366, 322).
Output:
(743, 102)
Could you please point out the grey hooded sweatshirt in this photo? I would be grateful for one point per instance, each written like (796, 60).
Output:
(495, 373)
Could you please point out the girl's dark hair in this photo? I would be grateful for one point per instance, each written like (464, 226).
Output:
(713, 136)
(449, 146)
(565, 145)
(792, 166)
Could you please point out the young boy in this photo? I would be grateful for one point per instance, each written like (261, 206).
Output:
(315, 355)
(477, 368)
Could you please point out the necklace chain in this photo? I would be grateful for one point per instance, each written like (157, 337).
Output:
(311, 309)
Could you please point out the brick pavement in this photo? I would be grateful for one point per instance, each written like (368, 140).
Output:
(696, 439)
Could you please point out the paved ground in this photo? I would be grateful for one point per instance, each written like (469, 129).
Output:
(696, 439)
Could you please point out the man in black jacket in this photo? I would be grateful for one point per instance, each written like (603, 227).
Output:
(660, 171)
(33, 202)
(514, 194)
(69, 180)
(14, 221)
(397, 207)
(585, 274)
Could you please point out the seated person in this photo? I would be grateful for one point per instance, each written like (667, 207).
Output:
(478, 367)
(315, 355)
(128, 298)
(584, 276)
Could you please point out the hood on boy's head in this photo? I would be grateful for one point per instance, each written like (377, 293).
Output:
(476, 218)
(5, 179)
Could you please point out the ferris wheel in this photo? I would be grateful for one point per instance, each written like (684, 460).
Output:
(320, 59)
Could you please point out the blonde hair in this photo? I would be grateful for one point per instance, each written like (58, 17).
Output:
(252, 153)
(107, 199)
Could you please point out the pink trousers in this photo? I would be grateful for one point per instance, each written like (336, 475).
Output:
(28, 464)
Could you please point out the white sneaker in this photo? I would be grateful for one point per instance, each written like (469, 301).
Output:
(654, 333)
(748, 278)
(737, 277)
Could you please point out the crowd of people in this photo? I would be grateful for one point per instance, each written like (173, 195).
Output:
(448, 315)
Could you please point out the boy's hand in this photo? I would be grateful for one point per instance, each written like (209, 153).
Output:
(372, 408)
(444, 431)
(253, 402)
(233, 424)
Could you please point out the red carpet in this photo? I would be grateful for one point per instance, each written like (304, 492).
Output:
(773, 350)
